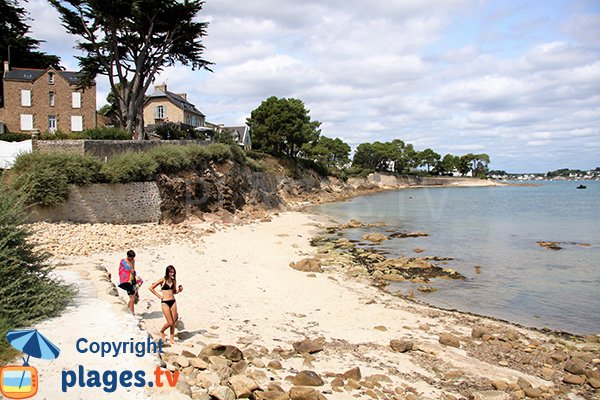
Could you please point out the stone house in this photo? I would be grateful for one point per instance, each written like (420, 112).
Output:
(47, 100)
(163, 106)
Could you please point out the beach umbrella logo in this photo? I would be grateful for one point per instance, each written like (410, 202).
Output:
(21, 381)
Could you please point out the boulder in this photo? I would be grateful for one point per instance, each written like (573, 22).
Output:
(523, 384)
(575, 366)
(533, 392)
(401, 346)
(448, 339)
(308, 346)
(573, 379)
(490, 395)
(274, 365)
(594, 382)
(271, 395)
(181, 361)
(207, 379)
(307, 265)
(198, 363)
(374, 237)
(478, 332)
(304, 393)
(307, 378)
(221, 393)
(353, 373)
(217, 361)
(242, 385)
(239, 367)
(230, 352)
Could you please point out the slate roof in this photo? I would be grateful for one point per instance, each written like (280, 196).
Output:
(30, 75)
(176, 99)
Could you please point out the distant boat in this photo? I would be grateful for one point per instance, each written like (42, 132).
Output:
(581, 187)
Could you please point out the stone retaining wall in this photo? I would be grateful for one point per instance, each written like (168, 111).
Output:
(129, 203)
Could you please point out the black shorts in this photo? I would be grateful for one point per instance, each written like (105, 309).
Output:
(128, 287)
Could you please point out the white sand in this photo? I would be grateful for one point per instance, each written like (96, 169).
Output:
(240, 290)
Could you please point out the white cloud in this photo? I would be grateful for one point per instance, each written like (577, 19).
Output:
(460, 76)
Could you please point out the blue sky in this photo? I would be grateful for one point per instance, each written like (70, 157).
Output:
(518, 80)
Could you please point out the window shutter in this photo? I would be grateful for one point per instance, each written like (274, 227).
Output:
(26, 98)
(76, 96)
(26, 122)
(76, 123)
(155, 112)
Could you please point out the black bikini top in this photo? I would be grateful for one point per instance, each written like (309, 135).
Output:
(165, 286)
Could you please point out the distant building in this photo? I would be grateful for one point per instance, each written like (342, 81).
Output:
(240, 134)
(163, 106)
(47, 100)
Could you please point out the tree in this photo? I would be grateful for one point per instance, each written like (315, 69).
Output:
(13, 33)
(428, 158)
(131, 42)
(282, 126)
(333, 153)
(377, 156)
(448, 164)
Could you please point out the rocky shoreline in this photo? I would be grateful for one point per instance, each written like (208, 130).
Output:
(403, 350)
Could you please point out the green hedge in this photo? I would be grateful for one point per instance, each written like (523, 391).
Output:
(28, 293)
(44, 178)
(100, 133)
(14, 137)
(130, 167)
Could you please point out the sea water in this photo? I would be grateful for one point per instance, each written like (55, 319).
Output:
(497, 230)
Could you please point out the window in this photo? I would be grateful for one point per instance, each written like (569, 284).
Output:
(159, 112)
(51, 99)
(51, 78)
(26, 122)
(52, 123)
(76, 123)
(26, 98)
(76, 96)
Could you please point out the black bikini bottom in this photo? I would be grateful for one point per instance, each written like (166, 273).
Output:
(169, 302)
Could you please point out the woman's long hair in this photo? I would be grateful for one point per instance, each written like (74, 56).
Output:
(169, 269)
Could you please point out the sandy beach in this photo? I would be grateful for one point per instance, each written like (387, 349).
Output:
(239, 290)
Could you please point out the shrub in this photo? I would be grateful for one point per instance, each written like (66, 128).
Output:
(255, 165)
(44, 179)
(257, 155)
(237, 153)
(170, 158)
(197, 155)
(14, 137)
(42, 186)
(105, 133)
(77, 169)
(130, 167)
(219, 152)
(98, 133)
(173, 131)
(27, 293)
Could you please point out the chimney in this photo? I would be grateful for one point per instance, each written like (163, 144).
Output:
(162, 87)
(182, 95)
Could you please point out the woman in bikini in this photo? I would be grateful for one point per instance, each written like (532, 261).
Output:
(169, 307)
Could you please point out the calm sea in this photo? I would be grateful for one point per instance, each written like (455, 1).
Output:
(497, 228)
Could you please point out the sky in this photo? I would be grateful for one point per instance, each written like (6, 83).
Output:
(518, 80)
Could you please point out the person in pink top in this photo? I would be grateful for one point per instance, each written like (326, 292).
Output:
(127, 280)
